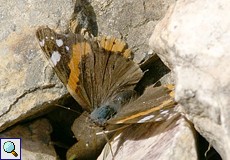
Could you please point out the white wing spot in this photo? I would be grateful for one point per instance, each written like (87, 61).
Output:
(42, 43)
(145, 119)
(164, 111)
(59, 42)
(51, 37)
(159, 119)
(87, 144)
(67, 48)
(46, 37)
(55, 58)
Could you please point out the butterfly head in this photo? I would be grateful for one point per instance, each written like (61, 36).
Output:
(101, 115)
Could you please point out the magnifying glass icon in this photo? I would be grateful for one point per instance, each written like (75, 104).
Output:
(9, 147)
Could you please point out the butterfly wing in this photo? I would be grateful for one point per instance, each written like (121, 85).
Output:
(58, 50)
(92, 70)
(155, 104)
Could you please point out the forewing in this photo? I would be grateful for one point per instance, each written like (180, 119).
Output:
(60, 51)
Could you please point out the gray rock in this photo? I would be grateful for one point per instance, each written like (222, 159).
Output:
(26, 79)
(130, 20)
(192, 39)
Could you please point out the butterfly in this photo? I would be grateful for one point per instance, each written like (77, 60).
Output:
(101, 77)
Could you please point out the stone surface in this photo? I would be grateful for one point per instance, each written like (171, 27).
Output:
(193, 39)
(26, 79)
(88, 142)
(131, 20)
(172, 140)
(35, 140)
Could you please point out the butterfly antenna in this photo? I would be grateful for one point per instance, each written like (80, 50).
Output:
(117, 129)
(108, 142)
(68, 108)
(108, 147)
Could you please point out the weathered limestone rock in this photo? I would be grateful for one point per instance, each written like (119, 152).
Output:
(193, 40)
(26, 80)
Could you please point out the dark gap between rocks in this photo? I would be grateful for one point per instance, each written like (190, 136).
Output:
(154, 70)
(61, 120)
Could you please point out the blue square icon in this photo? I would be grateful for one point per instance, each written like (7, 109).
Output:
(10, 148)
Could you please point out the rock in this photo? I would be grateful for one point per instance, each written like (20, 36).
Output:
(88, 142)
(35, 139)
(131, 20)
(192, 39)
(27, 81)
